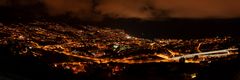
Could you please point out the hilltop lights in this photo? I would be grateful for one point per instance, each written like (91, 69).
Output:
(97, 45)
(128, 37)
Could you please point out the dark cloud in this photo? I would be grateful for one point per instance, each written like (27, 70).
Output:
(3, 2)
(125, 8)
(17, 2)
(199, 8)
(83, 9)
(75, 7)
(142, 9)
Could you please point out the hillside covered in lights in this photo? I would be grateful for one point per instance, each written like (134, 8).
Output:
(83, 51)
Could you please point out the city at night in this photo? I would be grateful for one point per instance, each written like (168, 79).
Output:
(119, 40)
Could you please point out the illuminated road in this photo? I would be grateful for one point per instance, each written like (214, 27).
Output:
(215, 53)
(79, 50)
(130, 60)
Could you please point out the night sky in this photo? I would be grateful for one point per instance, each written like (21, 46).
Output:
(144, 18)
